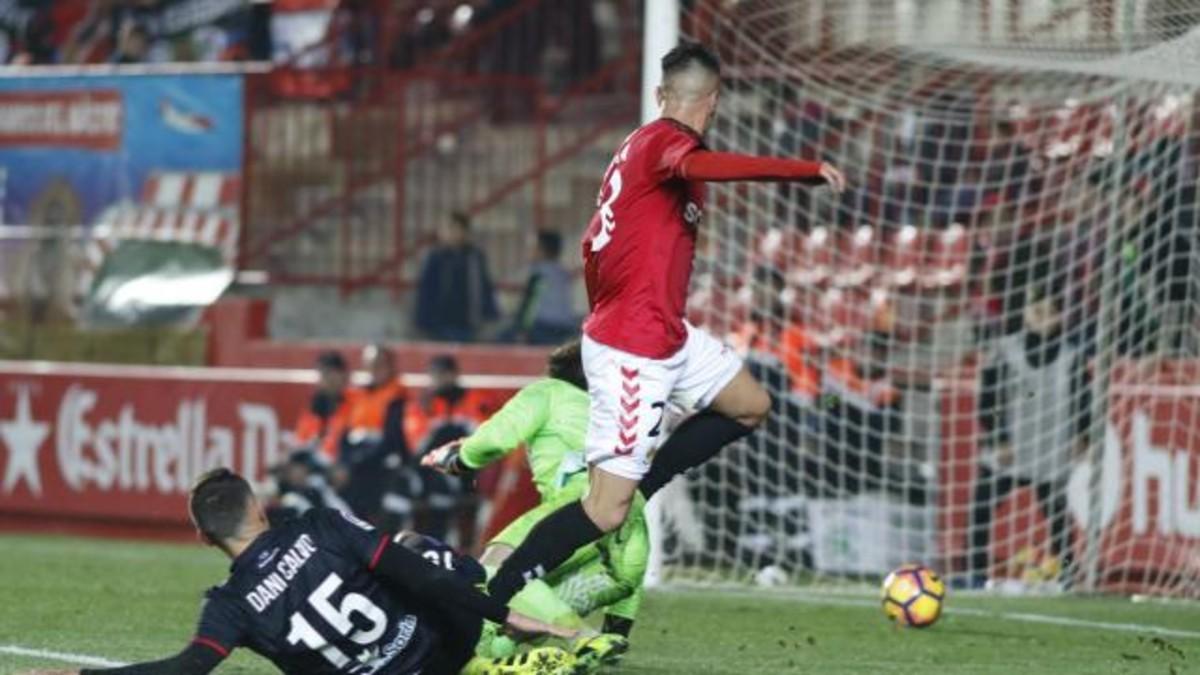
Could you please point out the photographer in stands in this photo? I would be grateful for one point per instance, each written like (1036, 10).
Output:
(1034, 411)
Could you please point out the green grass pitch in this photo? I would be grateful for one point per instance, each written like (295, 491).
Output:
(130, 601)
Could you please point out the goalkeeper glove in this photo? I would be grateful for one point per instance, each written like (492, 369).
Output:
(446, 459)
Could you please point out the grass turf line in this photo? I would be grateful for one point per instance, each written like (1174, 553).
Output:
(132, 601)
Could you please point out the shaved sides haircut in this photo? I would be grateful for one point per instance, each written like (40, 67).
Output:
(690, 69)
(687, 55)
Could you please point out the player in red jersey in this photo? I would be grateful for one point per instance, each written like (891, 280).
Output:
(639, 352)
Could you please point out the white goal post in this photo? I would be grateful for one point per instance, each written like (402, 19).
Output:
(660, 34)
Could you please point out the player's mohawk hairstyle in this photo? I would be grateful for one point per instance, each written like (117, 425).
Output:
(685, 55)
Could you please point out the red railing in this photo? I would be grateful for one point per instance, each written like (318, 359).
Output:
(351, 170)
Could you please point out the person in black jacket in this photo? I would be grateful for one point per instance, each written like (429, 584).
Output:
(1035, 414)
(455, 296)
(373, 442)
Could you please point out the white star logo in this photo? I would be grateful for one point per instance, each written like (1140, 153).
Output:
(22, 438)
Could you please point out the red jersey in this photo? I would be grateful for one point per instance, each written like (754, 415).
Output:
(638, 248)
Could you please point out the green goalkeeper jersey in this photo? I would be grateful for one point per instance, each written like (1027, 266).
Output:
(550, 417)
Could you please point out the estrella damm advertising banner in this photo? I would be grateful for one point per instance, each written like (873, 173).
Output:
(70, 147)
(121, 445)
(124, 444)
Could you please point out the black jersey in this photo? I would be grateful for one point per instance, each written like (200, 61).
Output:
(440, 554)
(303, 596)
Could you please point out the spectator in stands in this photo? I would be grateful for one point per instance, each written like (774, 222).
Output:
(374, 439)
(1137, 307)
(1009, 161)
(445, 408)
(773, 339)
(302, 484)
(1032, 256)
(35, 45)
(444, 412)
(89, 38)
(136, 31)
(303, 480)
(861, 414)
(455, 296)
(546, 315)
(771, 466)
(320, 425)
(759, 336)
(1034, 410)
(133, 42)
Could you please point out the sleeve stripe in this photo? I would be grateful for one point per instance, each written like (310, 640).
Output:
(383, 541)
(211, 644)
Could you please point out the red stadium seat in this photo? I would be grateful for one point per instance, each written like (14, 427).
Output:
(771, 248)
(858, 258)
(803, 303)
(946, 263)
(844, 315)
(815, 254)
(903, 255)
(714, 304)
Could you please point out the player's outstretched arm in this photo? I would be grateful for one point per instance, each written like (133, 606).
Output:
(513, 425)
(195, 659)
(727, 166)
(411, 574)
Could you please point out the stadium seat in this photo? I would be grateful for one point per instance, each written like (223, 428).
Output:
(946, 263)
(803, 309)
(713, 304)
(904, 252)
(813, 262)
(844, 316)
(858, 255)
(771, 247)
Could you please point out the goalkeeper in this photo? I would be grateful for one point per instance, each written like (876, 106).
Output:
(550, 418)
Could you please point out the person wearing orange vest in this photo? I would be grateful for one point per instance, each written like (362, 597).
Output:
(861, 412)
(303, 480)
(444, 412)
(769, 336)
(444, 408)
(373, 439)
(319, 425)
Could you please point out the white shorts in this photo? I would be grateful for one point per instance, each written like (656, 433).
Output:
(629, 396)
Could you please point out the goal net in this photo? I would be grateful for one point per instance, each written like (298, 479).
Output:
(983, 355)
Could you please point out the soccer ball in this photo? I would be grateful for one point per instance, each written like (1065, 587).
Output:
(913, 596)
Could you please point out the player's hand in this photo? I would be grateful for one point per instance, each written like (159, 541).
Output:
(444, 459)
(523, 627)
(833, 177)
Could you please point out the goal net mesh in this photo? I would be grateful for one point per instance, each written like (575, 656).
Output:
(983, 354)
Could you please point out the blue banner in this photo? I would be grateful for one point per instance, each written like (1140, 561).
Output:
(71, 147)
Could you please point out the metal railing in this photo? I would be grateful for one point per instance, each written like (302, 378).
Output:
(351, 170)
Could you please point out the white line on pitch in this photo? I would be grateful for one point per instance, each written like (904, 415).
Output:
(1031, 617)
(1026, 617)
(65, 657)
